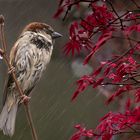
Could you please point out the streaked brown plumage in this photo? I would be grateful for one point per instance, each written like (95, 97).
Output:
(29, 56)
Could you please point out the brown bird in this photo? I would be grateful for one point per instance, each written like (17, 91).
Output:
(29, 56)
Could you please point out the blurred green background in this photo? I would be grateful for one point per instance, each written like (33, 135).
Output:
(53, 112)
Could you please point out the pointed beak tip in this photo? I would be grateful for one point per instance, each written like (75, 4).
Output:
(56, 35)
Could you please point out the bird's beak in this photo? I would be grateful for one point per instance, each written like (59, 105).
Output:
(56, 35)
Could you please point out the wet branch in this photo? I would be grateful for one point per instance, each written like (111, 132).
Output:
(10, 67)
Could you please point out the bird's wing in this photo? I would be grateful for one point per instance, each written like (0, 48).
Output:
(14, 56)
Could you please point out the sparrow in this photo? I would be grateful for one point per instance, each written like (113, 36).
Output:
(29, 57)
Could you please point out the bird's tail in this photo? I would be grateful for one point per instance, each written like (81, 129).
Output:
(8, 116)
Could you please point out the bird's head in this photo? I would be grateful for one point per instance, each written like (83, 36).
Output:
(42, 28)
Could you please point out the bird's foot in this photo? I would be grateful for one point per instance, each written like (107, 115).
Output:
(25, 99)
(11, 70)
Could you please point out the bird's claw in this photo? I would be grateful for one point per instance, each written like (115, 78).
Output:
(11, 70)
(25, 99)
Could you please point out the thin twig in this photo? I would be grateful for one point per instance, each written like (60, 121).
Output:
(3, 40)
(135, 4)
(26, 106)
(5, 57)
(75, 3)
(110, 83)
(30, 121)
(101, 28)
(124, 54)
(116, 14)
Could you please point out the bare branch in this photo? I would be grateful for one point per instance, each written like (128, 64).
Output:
(5, 57)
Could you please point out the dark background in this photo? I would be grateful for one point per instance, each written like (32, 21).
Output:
(53, 113)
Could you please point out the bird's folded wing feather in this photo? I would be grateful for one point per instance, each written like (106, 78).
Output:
(15, 58)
